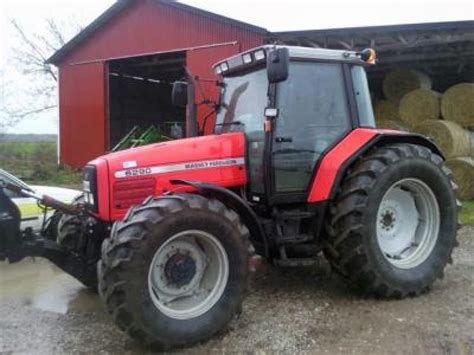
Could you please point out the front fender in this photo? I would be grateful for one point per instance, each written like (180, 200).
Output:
(239, 205)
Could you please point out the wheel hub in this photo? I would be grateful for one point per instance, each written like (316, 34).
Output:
(188, 274)
(407, 223)
(388, 220)
(180, 269)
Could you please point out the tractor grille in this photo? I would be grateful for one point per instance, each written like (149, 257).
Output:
(128, 193)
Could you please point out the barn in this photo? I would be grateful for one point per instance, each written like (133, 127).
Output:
(117, 73)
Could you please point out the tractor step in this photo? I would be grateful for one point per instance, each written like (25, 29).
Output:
(296, 262)
(293, 239)
(293, 214)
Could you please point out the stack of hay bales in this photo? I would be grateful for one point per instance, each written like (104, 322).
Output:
(452, 139)
(399, 82)
(448, 119)
(458, 104)
(396, 85)
(453, 135)
(463, 172)
(386, 115)
(419, 105)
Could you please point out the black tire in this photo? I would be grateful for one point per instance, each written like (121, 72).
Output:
(51, 228)
(353, 249)
(127, 254)
(70, 236)
(69, 227)
(69, 231)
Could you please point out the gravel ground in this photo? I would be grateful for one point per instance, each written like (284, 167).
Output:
(43, 310)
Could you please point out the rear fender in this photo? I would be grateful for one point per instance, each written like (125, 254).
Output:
(338, 160)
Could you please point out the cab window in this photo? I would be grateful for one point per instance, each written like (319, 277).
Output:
(313, 115)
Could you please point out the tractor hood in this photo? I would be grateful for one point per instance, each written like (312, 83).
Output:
(136, 173)
(190, 150)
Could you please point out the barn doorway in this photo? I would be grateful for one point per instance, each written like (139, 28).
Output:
(139, 96)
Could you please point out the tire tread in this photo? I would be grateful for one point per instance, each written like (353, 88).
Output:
(345, 250)
(118, 253)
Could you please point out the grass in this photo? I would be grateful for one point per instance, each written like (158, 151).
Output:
(466, 216)
(36, 164)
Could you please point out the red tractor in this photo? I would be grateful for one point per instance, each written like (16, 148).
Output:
(295, 168)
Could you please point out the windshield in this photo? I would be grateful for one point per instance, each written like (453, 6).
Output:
(243, 102)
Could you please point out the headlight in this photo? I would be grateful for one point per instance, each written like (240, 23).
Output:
(247, 58)
(90, 187)
(259, 55)
(89, 198)
(224, 67)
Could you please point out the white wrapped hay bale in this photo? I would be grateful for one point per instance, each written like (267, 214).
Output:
(457, 104)
(399, 82)
(420, 105)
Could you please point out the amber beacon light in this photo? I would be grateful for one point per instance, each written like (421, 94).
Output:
(368, 55)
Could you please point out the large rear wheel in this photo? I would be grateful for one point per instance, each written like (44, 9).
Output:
(393, 226)
(174, 272)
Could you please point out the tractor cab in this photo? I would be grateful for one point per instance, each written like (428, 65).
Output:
(293, 104)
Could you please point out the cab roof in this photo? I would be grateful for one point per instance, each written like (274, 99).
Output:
(236, 62)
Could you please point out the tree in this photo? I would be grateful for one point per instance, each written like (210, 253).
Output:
(34, 90)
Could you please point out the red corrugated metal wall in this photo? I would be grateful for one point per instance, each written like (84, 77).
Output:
(82, 97)
(145, 26)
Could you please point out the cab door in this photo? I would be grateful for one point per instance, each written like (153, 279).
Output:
(313, 115)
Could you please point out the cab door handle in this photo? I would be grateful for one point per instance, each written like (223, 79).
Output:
(283, 139)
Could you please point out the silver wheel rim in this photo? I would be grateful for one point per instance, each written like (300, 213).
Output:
(188, 274)
(407, 223)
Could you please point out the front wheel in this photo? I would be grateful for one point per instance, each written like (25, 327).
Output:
(393, 226)
(70, 235)
(174, 272)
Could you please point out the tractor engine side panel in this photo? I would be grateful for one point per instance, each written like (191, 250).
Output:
(138, 173)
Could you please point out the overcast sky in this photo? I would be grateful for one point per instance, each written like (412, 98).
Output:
(274, 15)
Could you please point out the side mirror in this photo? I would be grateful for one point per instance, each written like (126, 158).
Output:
(179, 94)
(278, 62)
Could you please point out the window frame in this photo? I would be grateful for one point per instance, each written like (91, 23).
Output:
(358, 109)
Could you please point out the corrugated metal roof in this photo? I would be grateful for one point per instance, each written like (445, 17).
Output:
(284, 36)
(115, 9)
(435, 43)
(429, 26)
